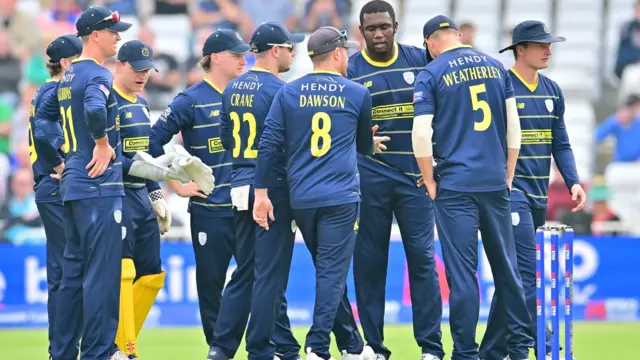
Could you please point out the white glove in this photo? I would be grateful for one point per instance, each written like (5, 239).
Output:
(161, 208)
(197, 171)
(157, 169)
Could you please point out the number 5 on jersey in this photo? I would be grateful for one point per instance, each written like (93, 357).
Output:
(320, 126)
(478, 104)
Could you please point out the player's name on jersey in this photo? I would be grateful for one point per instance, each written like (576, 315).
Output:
(64, 93)
(327, 84)
(456, 77)
(242, 100)
(246, 85)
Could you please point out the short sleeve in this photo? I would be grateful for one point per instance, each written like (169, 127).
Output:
(424, 93)
(508, 85)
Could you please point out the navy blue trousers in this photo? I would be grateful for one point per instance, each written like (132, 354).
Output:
(237, 298)
(383, 196)
(89, 296)
(330, 234)
(269, 330)
(459, 216)
(214, 241)
(142, 234)
(525, 221)
(51, 214)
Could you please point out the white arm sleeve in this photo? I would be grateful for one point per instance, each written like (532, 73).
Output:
(421, 136)
(514, 137)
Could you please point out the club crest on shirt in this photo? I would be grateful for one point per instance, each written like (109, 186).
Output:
(117, 216)
(549, 104)
(409, 77)
(124, 232)
(294, 227)
(202, 238)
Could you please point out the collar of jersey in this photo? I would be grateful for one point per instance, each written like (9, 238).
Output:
(85, 59)
(325, 72)
(531, 87)
(212, 85)
(378, 63)
(257, 68)
(51, 80)
(131, 99)
(456, 47)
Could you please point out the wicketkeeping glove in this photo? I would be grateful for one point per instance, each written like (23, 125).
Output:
(197, 171)
(157, 169)
(161, 208)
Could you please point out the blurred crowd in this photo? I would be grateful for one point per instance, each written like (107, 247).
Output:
(28, 26)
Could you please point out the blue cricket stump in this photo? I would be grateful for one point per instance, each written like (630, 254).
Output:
(560, 234)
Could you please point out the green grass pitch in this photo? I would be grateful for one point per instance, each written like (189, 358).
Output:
(592, 341)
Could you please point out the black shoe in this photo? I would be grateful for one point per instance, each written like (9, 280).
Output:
(215, 353)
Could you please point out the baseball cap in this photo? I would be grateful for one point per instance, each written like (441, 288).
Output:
(138, 54)
(63, 47)
(223, 40)
(437, 23)
(100, 18)
(272, 33)
(328, 38)
(532, 31)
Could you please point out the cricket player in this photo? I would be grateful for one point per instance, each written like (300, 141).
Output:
(45, 142)
(245, 105)
(388, 183)
(146, 214)
(322, 119)
(466, 119)
(92, 190)
(541, 110)
(195, 113)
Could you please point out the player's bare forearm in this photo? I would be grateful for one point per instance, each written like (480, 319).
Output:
(426, 168)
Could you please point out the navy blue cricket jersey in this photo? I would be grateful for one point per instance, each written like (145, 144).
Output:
(322, 119)
(135, 124)
(45, 140)
(391, 87)
(541, 111)
(466, 91)
(89, 111)
(195, 113)
(245, 105)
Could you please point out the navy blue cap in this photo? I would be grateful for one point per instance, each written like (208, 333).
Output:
(223, 40)
(437, 23)
(63, 47)
(137, 54)
(100, 18)
(272, 33)
(328, 38)
(532, 31)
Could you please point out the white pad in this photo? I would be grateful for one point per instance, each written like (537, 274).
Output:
(240, 197)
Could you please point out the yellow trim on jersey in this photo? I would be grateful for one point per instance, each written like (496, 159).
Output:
(85, 59)
(50, 80)
(531, 195)
(392, 90)
(206, 126)
(382, 64)
(221, 185)
(535, 157)
(257, 68)
(538, 116)
(112, 105)
(325, 72)
(129, 98)
(394, 132)
(398, 152)
(531, 176)
(207, 105)
(147, 123)
(386, 71)
(221, 165)
(131, 105)
(210, 205)
(531, 87)
(456, 47)
(212, 85)
(199, 147)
